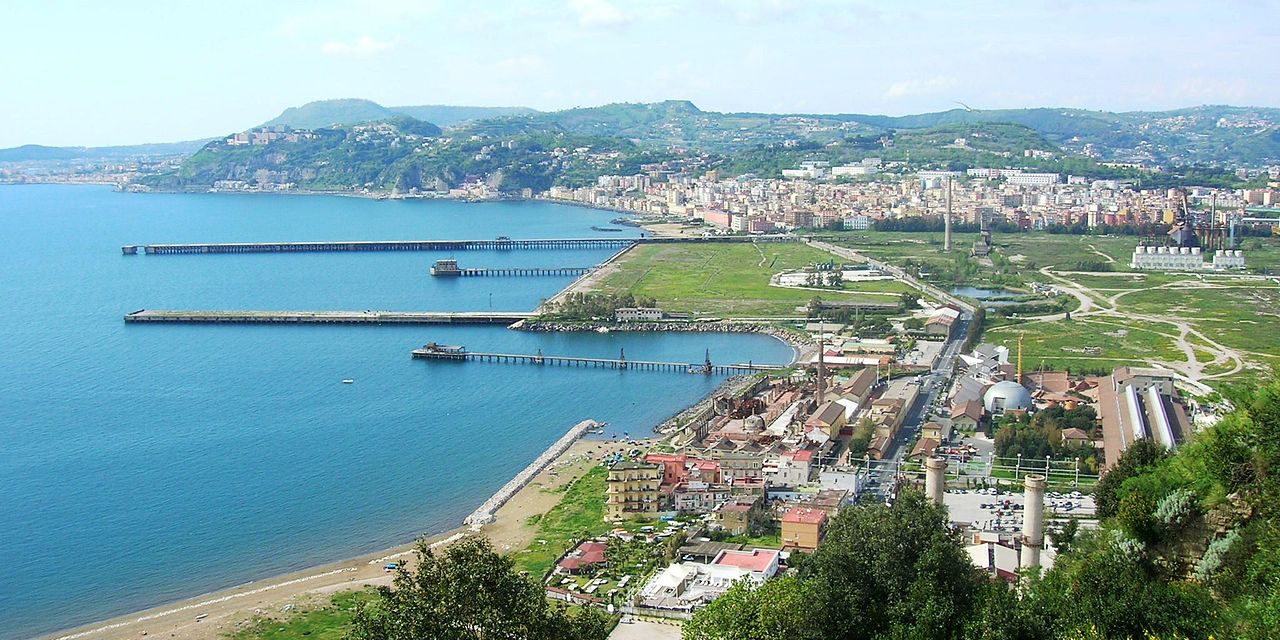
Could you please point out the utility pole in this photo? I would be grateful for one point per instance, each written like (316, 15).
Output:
(822, 342)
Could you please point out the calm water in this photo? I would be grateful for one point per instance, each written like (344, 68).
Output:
(985, 295)
(143, 464)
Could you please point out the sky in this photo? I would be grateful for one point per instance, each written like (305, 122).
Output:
(125, 72)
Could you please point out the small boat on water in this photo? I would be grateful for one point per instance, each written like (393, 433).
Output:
(596, 228)
(348, 381)
(602, 329)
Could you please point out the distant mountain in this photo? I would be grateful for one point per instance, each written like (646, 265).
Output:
(1221, 135)
(1213, 135)
(447, 115)
(1205, 134)
(324, 113)
(404, 154)
(36, 152)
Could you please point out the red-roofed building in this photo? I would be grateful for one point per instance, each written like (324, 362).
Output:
(802, 528)
(673, 467)
(587, 557)
(762, 563)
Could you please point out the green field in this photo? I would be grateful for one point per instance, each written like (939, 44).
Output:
(1070, 344)
(729, 279)
(329, 621)
(580, 514)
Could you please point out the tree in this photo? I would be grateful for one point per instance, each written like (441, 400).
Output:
(469, 592)
(776, 610)
(1140, 455)
(1063, 537)
(1102, 587)
(893, 571)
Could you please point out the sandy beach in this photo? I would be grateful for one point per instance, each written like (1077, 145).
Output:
(212, 615)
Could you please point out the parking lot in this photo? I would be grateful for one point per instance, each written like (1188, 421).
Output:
(1002, 512)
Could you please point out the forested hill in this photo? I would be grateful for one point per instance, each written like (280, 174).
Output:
(1197, 135)
(381, 148)
(1213, 135)
(402, 154)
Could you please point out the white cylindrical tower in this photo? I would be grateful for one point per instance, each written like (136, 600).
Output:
(1033, 520)
(935, 479)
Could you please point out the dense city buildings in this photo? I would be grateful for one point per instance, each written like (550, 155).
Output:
(810, 198)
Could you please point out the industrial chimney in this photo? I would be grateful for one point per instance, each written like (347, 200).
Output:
(1033, 521)
(935, 479)
(946, 220)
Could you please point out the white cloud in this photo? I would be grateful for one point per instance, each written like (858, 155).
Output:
(362, 46)
(925, 87)
(600, 13)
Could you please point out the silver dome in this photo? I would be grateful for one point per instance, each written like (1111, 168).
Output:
(1006, 396)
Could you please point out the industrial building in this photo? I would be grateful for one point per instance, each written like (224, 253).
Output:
(1148, 258)
(1140, 404)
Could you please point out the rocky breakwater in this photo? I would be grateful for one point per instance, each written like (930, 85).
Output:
(484, 514)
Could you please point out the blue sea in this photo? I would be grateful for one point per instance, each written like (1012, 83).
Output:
(141, 464)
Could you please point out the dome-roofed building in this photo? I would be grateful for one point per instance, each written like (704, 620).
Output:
(1006, 396)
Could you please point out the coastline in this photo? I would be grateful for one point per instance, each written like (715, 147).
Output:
(216, 613)
(211, 615)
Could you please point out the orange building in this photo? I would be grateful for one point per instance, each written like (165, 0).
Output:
(802, 528)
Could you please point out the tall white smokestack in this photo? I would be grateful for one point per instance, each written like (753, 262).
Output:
(935, 479)
(946, 220)
(1033, 521)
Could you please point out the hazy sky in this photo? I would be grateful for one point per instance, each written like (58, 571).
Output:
(122, 72)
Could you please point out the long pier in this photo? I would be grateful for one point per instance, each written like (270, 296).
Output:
(380, 245)
(327, 317)
(457, 354)
(433, 245)
(457, 272)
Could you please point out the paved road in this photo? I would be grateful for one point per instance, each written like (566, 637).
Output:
(934, 381)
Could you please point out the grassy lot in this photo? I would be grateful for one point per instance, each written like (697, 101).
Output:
(580, 514)
(1239, 317)
(768, 541)
(327, 622)
(727, 279)
(1085, 344)
(1037, 249)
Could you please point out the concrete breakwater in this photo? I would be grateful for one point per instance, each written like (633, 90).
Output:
(795, 340)
(484, 514)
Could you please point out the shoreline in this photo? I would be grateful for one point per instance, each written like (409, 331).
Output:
(211, 615)
(215, 613)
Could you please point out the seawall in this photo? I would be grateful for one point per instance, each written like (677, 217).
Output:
(484, 514)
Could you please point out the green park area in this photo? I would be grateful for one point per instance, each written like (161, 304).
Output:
(1137, 318)
(1086, 345)
(580, 514)
(731, 279)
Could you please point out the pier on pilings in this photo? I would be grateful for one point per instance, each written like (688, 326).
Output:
(432, 351)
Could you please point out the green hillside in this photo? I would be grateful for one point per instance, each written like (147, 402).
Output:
(403, 154)
(324, 113)
(448, 116)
